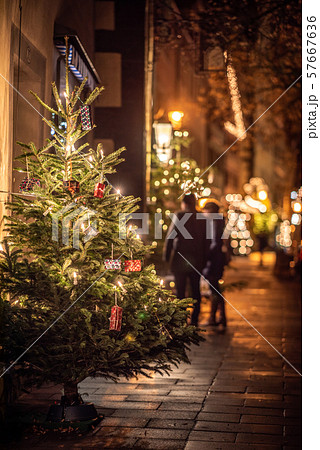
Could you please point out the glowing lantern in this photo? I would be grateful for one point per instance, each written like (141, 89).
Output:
(163, 137)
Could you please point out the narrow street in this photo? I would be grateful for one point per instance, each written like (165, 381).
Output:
(238, 393)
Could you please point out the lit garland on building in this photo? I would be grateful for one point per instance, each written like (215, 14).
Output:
(237, 129)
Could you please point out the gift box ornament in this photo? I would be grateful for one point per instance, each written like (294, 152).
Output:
(132, 265)
(85, 117)
(72, 185)
(99, 190)
(28, 184)
(116, 318)
(112, 264)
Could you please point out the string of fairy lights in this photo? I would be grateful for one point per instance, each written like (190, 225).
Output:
(237, 225)
(288, 228)
(168, 183)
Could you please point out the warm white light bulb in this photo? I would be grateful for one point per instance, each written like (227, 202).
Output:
(177, 116)
(297, 207)
(262, 195)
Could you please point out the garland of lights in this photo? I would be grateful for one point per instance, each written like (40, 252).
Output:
(237, 226)
(238, 130)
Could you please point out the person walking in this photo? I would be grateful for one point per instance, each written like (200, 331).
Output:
(187, 237)
(214, 267)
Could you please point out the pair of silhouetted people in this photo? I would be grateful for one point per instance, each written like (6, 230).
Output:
(194, 248)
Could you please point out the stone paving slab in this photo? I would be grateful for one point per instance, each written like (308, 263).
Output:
(194, 445)
(164, 444)
(237, 393)
(124, 422)
(173, 423)
(158, 414)
(211, 436)
(219, 417)
(238, 427)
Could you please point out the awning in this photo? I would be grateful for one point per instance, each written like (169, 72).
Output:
(79, 62)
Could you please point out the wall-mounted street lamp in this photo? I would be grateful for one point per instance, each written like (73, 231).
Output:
(175, 118)
(163, 138)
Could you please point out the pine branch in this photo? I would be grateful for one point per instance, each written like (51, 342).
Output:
(78, 91)
(54, 126)
(78, 134)
(94, 94)
(47, 107)
(58, 100)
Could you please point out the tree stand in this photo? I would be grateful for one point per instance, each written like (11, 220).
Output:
(72, 408)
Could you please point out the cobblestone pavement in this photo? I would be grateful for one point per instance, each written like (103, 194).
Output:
(238, 393)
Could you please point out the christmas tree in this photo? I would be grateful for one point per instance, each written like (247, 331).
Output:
(64, 290)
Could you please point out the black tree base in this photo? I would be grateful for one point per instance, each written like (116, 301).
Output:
(75, 413)
(72, 409)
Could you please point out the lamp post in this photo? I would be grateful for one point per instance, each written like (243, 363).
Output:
(163, 138)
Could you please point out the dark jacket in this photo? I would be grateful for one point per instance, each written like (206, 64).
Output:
(215, 257)
(193, 250)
